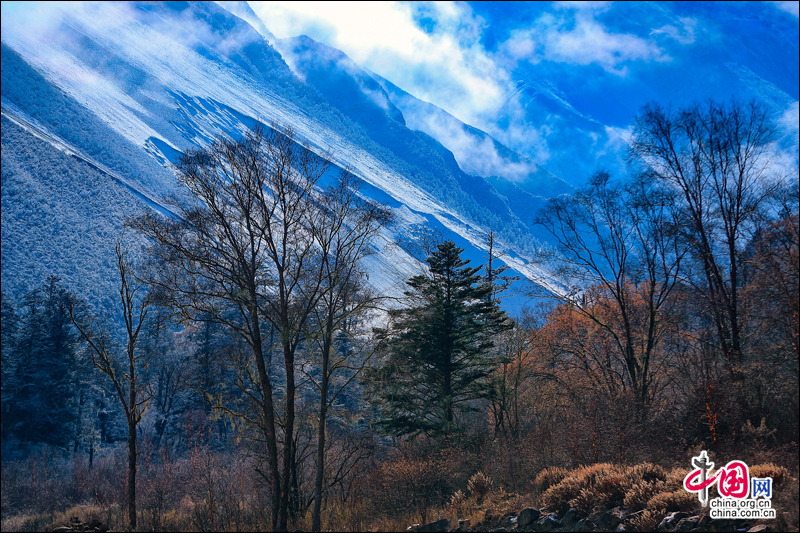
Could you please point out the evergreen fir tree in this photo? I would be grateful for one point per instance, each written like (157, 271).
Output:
(42, 388)
(8, 327)
(438, 348)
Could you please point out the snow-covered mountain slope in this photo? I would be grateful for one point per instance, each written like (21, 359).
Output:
(476, 151)
(110, 93)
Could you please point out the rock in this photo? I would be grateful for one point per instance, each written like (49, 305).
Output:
(585, 525)
(570, 518)
(547, 523)
(621, 527)
(439, 525)
(608, 521)
(509, 521)
(62, 528)
(721, 524)
(412, 527)
(761, 528)
(463, 525)
(528, 516)
(704, 521)
(671, 520)
(688, 523)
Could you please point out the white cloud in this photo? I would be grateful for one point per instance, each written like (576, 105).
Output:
(793, 8)
(445, 67)
(684, 35)
(789, 118)
(578, 38)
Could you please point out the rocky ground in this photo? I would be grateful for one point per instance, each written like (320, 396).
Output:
(76, 525)
(573, 520)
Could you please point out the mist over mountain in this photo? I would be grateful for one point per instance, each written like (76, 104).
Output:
(98, 100)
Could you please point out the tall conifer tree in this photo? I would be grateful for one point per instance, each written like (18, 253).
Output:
(438, 348)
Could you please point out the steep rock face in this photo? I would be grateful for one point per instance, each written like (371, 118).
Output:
(123, 88)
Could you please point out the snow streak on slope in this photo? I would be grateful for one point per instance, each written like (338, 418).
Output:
(12, 113)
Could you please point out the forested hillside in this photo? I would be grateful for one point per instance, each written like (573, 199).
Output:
(249, 285)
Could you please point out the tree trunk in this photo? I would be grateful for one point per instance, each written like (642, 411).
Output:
(132, 473)
(316, 521)
(269, 415)
(283, 514)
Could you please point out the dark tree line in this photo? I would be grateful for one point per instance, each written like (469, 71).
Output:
(41, 368)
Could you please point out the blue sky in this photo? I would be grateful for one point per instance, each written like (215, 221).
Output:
(465, 56)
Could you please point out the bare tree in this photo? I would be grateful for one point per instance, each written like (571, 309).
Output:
(243, 254)
(495, 276)
(616, 254)
(717, 159)
(344, 229)
(132, 385)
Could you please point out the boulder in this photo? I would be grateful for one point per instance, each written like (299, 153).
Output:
(439, 525)
(760, 528)
(630, 517)
(723, 524)
(585, 525)
(570, 518)
(688, 523)
(509, 522)
(609, 521)
(671, 520)
(547, 523)
(528, 516)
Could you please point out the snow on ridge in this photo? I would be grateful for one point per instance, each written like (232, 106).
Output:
(32, 126)
(180, 70)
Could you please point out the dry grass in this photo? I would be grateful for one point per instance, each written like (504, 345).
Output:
(678, 500)
(407, 492)
(778, 474)
(586, 488)
(648, 520)
(639, 493)
(647, 473)
(549, 477)
(605, 485)
(479, 485)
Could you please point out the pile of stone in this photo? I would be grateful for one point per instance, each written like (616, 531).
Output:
(76, 525)
(616, 519)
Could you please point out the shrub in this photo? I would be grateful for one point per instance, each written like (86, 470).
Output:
(675, 478)
(648, 520)
(778, 473)
(639, 493)
(457, 502)
(646, 472)
(479, 485)
(549, 477)
(587, 487)
(677, 500)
